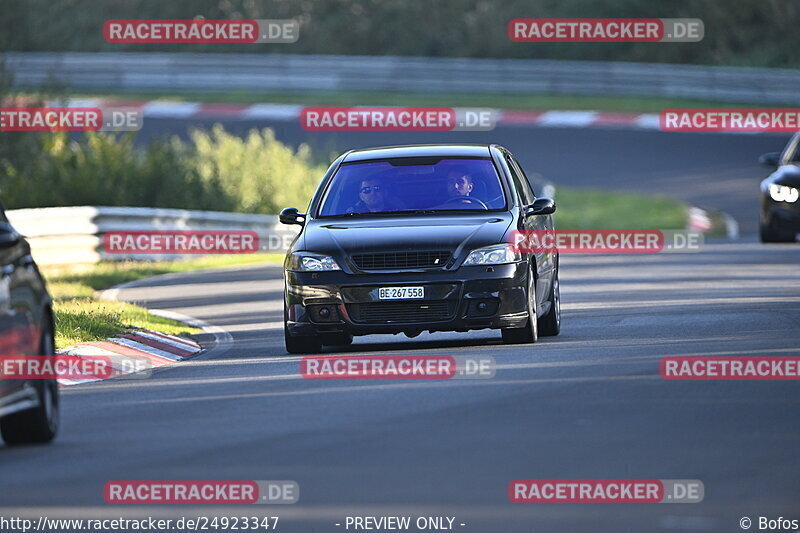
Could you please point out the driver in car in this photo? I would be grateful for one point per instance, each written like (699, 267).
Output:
(459, 192)
(459, 184)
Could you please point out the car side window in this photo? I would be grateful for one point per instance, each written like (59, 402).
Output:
(791, 154)
(520, 183)
(526, 183)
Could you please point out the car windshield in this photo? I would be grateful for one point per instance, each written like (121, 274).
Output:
(440, 184)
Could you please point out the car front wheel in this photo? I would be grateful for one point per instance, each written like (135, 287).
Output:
(530, 332)
(770, 235)
(550, 324)
(298, 345)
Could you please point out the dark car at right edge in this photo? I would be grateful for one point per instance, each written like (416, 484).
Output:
(780, 194)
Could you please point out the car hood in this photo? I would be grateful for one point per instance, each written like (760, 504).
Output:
(788, 175)
(456, 233)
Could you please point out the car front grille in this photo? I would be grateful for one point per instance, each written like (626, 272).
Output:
(401, 260)
(401, 312)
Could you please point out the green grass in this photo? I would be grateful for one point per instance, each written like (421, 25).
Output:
(500, 101)
(594, 209)
(82, 317)
(86, 319)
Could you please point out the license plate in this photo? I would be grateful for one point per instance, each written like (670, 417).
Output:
(401, 293)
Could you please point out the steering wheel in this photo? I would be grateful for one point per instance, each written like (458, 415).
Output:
(496, 199)
(466, 199)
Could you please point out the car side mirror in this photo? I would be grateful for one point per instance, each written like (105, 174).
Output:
(770, 159)
(541, 206)
(8, 235)
(290, 215)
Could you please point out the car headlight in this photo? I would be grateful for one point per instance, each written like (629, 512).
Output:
(498, 254)
(312, 262)
(782, 193)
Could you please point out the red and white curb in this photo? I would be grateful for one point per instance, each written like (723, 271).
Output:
(701, 220)
(173, 109)
(579, 119)
(153, 348)
(698, 220)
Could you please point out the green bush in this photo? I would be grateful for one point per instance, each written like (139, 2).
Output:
(216, 171)
(262, 174)
(103, 169)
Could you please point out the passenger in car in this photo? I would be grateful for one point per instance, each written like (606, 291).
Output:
(373, 197)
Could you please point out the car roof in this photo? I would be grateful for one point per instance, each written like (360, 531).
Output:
(419, 150)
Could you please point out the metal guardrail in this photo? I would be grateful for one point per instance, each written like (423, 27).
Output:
(177, 72)
(74, 235)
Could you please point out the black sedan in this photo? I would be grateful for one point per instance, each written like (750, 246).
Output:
(417, 238)
(28, 408)
(780, 194)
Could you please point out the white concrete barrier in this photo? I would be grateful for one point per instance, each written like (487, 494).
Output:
(74, 235)
(191, 72)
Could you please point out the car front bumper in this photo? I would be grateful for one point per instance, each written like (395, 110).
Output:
(780, 216)
(472, 297)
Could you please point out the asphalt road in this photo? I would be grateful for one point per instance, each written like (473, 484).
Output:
(587, 404)
(710, 170)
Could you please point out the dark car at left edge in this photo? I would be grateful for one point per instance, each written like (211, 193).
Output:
(29, 408)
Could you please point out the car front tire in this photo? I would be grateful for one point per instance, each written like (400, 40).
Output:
(550, 324)
(770, 235)
(530, 332)
(298, 345)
